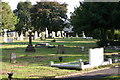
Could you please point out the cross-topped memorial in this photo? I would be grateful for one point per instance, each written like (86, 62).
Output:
(30, 47)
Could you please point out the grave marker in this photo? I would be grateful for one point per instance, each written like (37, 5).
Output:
(30, 47)
(13, 58)
(60, 49)
(36, 35)
(83, 34)
(21, 36)
(10, 40)
(96, 57)
(53, 34)
(46, 33)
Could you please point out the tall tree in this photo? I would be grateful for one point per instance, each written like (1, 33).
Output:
(49, 14)
(96, 16)
(8, 19)
(23, 13)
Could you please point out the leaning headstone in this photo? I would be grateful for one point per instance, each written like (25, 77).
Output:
(46, 33)
(36, 35)
(13, 58)
(21, 37)
(5, 36)
(60, 49)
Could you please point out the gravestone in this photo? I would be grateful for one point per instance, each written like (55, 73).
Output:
(53, 34)
(40, 35)
(62, 34)
(82, 49)
(60, 49)
(13, 58)
(30, 47)
(83, 35)
(5, 36)
(10, 40)
(76, 35)
(96, 56)
(59, 34)
(16, 36)
(21, 36)
(43, 36)
(46, 33)
(26, 35)
(36, 35)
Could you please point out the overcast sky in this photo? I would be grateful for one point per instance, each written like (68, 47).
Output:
(71, 3)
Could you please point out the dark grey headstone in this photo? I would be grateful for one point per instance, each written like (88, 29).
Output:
(60, 49)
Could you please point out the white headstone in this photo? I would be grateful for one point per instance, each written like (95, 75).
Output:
(62, 34)
(46, 33)
(53, 34)
(59, 34)
(36, 35)
(40, 35)
(5, 36)
(76, 35)
(96, 56)
(17, 36)
(21, 36)
(83, 34)
(14, 34)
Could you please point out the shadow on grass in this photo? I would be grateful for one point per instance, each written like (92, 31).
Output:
(94, 77)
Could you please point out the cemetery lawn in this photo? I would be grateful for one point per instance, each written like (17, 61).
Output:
(37, 64)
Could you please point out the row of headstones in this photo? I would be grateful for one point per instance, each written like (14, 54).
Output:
(42, 34)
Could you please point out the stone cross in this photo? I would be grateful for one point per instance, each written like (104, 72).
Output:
(30, 38)
(30, 47)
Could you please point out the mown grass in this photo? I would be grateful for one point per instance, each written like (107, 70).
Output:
(37, 64)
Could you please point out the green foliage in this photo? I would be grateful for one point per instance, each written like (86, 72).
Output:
(8, 18)
(48, 14)
(93, 16)
(23, 13)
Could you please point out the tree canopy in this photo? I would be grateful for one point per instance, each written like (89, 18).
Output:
(8, 19)
(96, 17)
(23, 13)
(49, 14)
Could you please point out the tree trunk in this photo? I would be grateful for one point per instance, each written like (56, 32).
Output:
(103, 34)
(112, 36)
